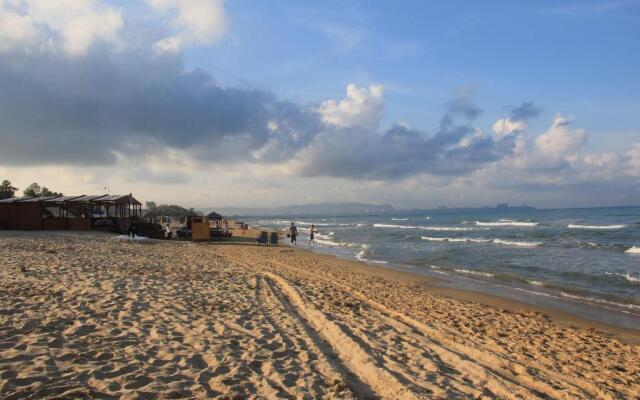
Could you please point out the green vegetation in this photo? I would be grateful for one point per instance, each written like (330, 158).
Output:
(34, 190)
(7, 190)
(168, 210)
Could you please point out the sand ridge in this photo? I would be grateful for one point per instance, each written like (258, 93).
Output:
(94, 317)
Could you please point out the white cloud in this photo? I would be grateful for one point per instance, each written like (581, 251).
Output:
(168, 45)
(633, 163)
(362, 107)
(196, 21)
(15, 28)
(507, 126)
(69, 25)
(560, 140)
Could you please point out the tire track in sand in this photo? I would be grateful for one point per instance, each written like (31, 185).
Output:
(320, 357)
(501, 379)
(352, 355)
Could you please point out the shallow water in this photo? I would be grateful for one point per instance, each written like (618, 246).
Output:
(584, 257)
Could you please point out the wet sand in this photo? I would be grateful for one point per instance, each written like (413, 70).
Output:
(95, 317)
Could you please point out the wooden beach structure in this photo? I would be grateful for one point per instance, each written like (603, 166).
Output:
(84, 212)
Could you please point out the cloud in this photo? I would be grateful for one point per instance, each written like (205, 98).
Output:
(560, 140)
(123, 106)
(194, 22)
(516, 121)
(71, 26)
(362, 107)
(525, 111)
(462, 107)
(357, 152)
(56, 109)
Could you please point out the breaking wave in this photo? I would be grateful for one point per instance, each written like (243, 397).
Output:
(507, 222)
(474, 240)
(426, 228)
(516, 244)
(633, 250)
(446, 239)
(626, 276)
(577, 226)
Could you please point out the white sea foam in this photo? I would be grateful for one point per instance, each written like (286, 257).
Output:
(438, 270)
(516, 244)
(399, 219)
(633, 250)
(446, 239)
(577, 226)
(626, 276)
(426, 228)
(395, 226)
(599, 301)
(478, 273)
(479, 240)
(313, 223)
(536, 283)
(505, 222)
(326, 237)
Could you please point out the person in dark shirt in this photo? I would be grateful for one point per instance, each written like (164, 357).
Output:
(293, 233)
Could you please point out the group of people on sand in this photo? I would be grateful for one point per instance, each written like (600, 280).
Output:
(293, 234)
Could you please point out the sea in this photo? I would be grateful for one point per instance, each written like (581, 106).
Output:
(582, 261)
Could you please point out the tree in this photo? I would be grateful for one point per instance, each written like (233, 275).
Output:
(151, 206)
(34, 190)
(7, 190)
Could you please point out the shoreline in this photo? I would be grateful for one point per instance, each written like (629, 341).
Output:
(628, 335)
(551, 302)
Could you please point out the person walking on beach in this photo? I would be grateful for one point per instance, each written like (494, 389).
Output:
(133, 229)
(293, 232)
(312, 236)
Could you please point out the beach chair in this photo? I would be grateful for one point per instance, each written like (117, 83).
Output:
(263, 238)
(273, 238)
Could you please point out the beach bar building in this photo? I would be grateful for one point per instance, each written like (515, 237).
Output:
(68, 212)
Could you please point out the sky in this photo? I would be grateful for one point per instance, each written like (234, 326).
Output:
(416, 104)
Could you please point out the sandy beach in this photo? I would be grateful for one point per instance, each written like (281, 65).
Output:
(94, 317)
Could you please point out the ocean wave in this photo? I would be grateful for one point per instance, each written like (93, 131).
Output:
(478, 240)
(577, 226)
(626, 276)
(589, 299)
(438, 270)
(516, 244)
(313, 223)
(478, 273)
(426, 228)
(328, 236)
(399, 219)
(633, 250)
(336, 244)
(504, 222)
(446, 239)
(536, 283)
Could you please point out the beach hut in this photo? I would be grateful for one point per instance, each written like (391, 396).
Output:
(214, 216)
(68, 212)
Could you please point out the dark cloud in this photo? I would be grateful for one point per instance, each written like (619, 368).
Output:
(106, 106)
(525, 111)
(54, 109)
(401, 152)
(462, 107)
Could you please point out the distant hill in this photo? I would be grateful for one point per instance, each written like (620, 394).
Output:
(323, 209)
